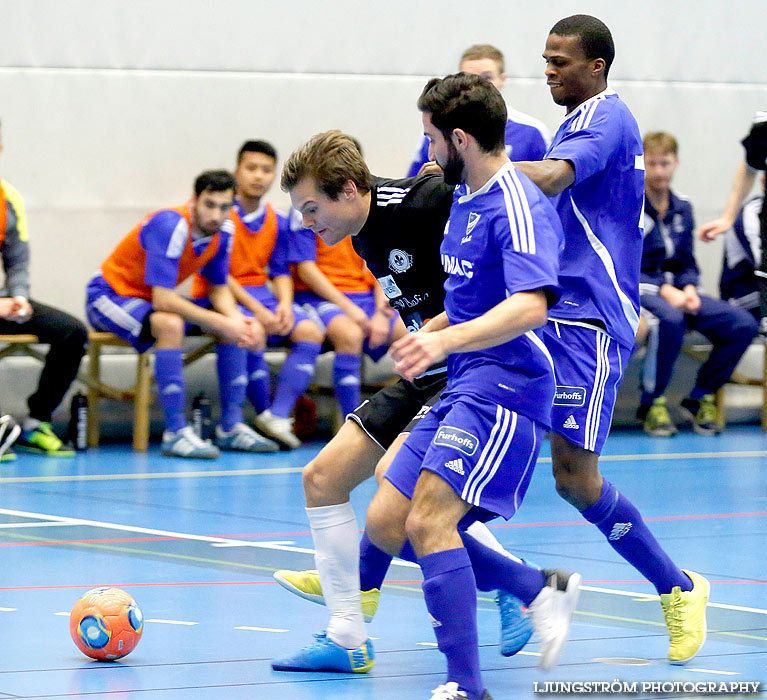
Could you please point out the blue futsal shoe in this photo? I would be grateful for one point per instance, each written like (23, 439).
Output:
(516, 628)
(325, 655)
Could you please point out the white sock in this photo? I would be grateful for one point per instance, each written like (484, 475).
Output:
(481, 533)
(30, 423)
(337, 554)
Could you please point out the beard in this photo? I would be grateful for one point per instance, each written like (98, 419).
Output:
(453, 168)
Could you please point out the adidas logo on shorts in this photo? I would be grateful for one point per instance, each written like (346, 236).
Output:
(456, 465)
(619, 529)
(570, 423)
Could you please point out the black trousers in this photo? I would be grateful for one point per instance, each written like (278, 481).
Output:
(67, 338)
(761, 273)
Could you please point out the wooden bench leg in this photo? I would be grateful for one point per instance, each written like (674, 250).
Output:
(141, 403)
(94, 397)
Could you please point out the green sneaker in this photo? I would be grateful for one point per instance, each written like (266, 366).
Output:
(657, 421)
(704, 415)
(42, 440)
(685, 613)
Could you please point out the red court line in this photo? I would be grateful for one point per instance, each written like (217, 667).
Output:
(554, 523)
(270, 583)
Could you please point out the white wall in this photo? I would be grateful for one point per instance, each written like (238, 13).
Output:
(110, 108)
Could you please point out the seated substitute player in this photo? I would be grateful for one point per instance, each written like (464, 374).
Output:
(474, 453)
(672, 305)
(331, 186)
(335, 284)
(19, 314)
(595, 162)
(755, 146)
(526, 138)
(134, 295)
(259, 255)
(742, 258)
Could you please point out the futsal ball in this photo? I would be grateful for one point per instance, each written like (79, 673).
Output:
(106, 624)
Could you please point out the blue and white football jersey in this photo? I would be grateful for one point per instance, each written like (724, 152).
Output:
(502, 239)
(601, 213)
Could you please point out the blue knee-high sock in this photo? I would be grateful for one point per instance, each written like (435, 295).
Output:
(619, 521)
(493, 570)
(231, 363)
(295, 376)
(451, 599)
(374, 563)
(258, 381)
(346, 381)
(168, 370)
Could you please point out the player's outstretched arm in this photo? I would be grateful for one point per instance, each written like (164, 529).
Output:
(521, 312)
(742, 182)
(551, 176)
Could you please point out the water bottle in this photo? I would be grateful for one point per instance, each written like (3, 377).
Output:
(78, 422)
(201, 416)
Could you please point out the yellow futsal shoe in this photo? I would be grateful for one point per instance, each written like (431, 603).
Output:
(306, 585)
(685, 613)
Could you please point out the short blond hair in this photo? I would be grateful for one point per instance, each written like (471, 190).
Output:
(331, 159)
(479, 51)
(660, 142)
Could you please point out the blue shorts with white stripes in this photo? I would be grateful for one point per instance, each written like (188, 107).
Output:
(486, 452)
(126, 317)
(322, 312)
(588, 368)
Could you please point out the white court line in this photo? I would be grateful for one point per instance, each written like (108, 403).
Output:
(132, 476)
(219, 541)
(286, 548)
(11, 526)
(248, 543)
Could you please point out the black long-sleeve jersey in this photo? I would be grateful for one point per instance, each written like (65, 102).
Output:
(400, 243)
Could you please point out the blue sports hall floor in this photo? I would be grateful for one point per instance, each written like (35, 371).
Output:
(196, 543)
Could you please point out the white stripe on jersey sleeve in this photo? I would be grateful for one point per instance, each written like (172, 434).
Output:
(751, 227)
(178, 238)
(390, 195)
(514, 177)
(514, 208)
(515, 244)
(591, 112)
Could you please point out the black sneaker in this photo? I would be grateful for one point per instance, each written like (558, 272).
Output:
(704, 415)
